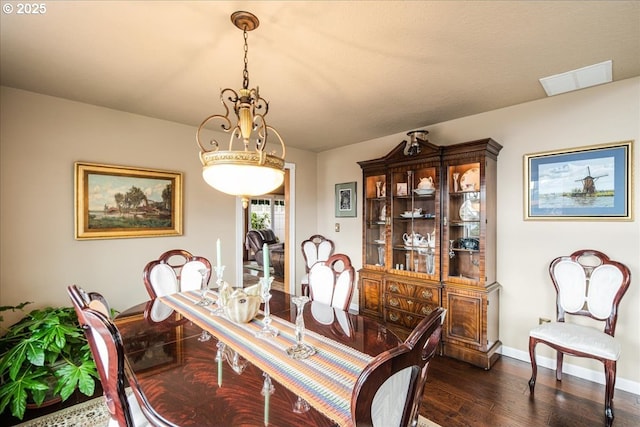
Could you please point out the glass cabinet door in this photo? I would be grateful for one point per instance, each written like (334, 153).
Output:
(415, 218)
(375, 211)
(462, 233)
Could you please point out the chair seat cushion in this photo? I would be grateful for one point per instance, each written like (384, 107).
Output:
(579, 338)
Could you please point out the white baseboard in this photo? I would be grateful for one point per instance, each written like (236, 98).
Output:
(576, 371)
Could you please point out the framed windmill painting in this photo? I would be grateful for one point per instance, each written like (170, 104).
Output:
(586, 183)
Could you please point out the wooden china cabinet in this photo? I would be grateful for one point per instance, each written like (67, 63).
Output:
(429, 240)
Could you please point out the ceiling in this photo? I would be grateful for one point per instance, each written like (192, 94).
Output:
(334, 72)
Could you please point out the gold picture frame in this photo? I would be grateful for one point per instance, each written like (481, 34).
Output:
(123, 202)
(591, 183)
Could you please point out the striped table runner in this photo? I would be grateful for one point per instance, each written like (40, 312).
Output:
(325, 380)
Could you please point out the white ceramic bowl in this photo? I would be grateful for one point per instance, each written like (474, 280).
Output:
(241, 308)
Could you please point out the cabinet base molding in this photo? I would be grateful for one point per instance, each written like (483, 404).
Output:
(477, 358)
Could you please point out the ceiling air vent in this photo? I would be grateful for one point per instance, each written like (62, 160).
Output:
(581, 78)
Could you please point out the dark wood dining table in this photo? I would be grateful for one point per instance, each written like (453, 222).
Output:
(182, 384)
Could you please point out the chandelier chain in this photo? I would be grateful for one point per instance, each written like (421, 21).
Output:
(244, 172)
(245, 73)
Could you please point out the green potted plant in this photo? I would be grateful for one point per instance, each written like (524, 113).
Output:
(43, 355)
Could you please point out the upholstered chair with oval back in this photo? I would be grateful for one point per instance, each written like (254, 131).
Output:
(174, 271)
(106, 347)
(389, 390)
(588, 284)
(331, 282)
(315, 248)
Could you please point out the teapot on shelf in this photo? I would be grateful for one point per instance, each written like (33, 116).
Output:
(425, 183)
(414, 239)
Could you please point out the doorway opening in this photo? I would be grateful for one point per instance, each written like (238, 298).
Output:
(273, 212)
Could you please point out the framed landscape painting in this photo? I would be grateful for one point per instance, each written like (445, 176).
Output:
(121, 201)
(586, 183)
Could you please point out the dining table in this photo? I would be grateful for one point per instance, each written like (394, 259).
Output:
(192, 366)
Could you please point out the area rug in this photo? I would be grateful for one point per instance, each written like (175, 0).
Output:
(93, 413)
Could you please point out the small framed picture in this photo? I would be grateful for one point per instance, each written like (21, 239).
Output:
(401, 189)
(346, 199)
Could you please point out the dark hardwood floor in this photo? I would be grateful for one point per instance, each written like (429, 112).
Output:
(458, 394)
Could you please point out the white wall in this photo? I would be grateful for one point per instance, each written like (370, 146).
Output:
(40, 139)
(597, 115)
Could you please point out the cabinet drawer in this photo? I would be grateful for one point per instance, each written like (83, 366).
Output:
(406, 320)
(411, 305)
(410, 290)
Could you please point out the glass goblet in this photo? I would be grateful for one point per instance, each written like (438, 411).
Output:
(203, 289)
(300, 406)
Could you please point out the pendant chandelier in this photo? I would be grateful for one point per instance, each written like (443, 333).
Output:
(249, 170)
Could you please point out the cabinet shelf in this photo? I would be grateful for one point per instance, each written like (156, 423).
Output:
(417, 218)
(460, 223)
(462, 193)
(473, 251)
(414, 248)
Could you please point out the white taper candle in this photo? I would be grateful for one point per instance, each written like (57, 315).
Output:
(218, 254)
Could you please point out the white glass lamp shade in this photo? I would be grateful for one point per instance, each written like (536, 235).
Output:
(243, 178)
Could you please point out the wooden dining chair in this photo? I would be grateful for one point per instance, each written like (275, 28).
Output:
(315, 248)
(106, 347)
(331, 282)
(174, 271)
(389, 390)
(588, 284)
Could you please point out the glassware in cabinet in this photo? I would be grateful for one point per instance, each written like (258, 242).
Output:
(414, 226)
(376, 220)
(463, 211)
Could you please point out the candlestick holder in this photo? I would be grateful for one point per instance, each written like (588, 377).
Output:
(219, 357)
(300, 350)
(267, 330)
(223, 291)
(267, 390)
